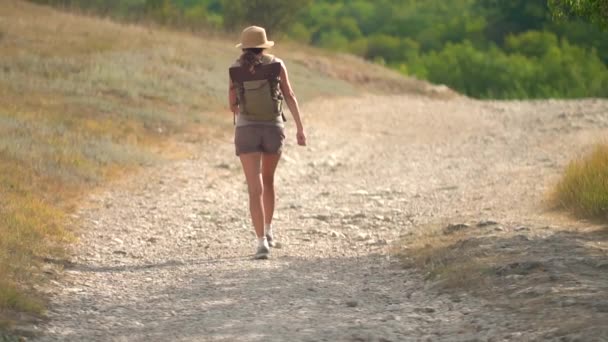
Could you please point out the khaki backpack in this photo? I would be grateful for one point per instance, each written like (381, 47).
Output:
(258, 93)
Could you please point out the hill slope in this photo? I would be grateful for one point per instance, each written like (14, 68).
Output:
(83, 100)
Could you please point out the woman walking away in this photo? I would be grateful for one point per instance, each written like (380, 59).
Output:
(258, 84)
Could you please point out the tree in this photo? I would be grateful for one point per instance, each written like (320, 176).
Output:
(164, 11)
(507, 17)
(595, 11)
(273, 15)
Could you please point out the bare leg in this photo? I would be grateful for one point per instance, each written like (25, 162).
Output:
(269, 165)
(252, 167)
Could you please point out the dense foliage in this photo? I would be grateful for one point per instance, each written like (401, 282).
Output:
(483, 48)
(272, 14)
(594, 10)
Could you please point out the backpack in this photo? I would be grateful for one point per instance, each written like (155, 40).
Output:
(259, 94)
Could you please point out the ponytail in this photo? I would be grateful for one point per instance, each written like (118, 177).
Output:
(249, 59)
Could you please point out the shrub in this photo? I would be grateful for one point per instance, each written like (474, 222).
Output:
(274, 15)
(538, 66)
(584, 187)
(594, 10)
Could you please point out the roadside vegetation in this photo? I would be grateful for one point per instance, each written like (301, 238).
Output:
(583, 189)
(471, 255)
(82, 102)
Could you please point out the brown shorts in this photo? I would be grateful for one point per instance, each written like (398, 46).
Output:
(258, 138)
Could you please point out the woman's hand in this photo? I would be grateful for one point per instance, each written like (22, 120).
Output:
(234, 108)
(301, 137)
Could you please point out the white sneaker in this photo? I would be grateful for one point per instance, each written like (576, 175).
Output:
(270, 240)
(263, 251)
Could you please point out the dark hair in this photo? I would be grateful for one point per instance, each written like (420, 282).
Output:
(249, 59)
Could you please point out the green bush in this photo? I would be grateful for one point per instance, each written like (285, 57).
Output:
(538, 66)
(594, 10)
(333, 40)
(531, 43)
(274, 15)
(584, 187)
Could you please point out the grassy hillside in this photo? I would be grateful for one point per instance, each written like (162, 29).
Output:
(84, 100)
(518, 38)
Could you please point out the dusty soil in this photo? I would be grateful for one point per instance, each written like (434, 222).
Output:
(167, 254)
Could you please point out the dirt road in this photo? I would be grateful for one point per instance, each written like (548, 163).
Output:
(167, 255)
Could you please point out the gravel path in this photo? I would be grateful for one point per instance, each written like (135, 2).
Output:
(167, 256)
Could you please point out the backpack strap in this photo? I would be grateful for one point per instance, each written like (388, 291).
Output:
(272, 60)
(267, 59)
(262, 72)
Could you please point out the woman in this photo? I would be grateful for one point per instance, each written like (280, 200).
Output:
(258, 83)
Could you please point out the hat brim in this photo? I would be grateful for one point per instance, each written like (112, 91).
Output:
(266, 45)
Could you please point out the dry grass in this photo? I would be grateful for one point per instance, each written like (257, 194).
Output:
(583, 188)
(462, 259)
(83, 100)
(453, 260)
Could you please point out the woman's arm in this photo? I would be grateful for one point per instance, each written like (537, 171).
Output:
(292, 104)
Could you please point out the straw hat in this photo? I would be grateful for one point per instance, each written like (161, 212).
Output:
(254, 37)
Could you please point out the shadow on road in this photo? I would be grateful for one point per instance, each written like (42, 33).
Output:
(286, 298)
(555, 279)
